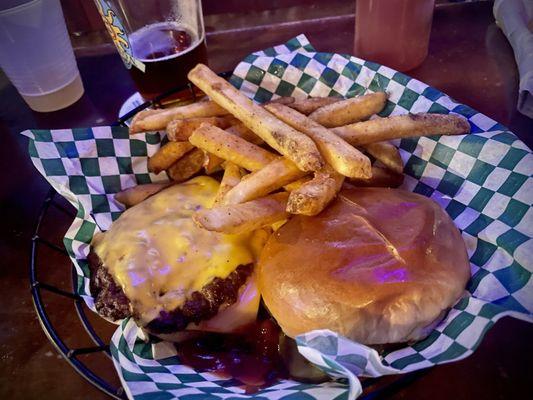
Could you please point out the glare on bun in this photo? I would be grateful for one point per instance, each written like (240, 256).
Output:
(377, 266)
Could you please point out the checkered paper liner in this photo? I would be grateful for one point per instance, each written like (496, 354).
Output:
(483, 180)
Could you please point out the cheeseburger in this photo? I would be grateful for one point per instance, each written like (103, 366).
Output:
(156, 265)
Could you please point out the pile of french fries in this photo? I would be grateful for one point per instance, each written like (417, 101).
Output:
(288, 156)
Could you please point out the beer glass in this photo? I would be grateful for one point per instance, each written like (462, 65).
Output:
(160, 41)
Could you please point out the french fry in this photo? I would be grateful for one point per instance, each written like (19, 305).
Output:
(296, 184)
(309, 105)
(350, 110)
(313, 196)
(243, 132)
(187, 166)
(245, 217)
(230, 147)
(344, 158)
(212, 163)
(153, 120)
(180, 129)
(400, 126)
(387, 153)
(167, 155)
(280, 100)
(294, 145)
(381, 177)
(231, 178)
(273, 176)
(134, 195)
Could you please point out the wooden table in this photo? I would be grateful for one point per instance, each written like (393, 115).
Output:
(469, 59)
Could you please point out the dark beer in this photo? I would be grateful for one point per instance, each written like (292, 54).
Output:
(168, 51)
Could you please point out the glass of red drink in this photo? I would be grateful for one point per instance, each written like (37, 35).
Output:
(160, 41)
(393, 32)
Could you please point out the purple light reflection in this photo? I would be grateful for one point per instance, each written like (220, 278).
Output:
(164, 270)
(384, 275)
(136, 279)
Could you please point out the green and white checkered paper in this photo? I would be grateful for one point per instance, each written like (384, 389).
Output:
(483, 180)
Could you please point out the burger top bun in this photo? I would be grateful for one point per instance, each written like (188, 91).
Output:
(377, 266)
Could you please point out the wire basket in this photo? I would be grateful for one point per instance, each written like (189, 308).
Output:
(373, 388)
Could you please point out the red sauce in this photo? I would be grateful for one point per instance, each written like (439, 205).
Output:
(251, 358)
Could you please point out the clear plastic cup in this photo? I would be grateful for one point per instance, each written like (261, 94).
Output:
(36, 54)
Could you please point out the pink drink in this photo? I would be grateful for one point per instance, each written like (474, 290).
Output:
(393, 32)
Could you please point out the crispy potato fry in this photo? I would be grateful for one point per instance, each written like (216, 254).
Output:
(212, 163)
(153, 120)
(231, 178)
(280, 100)
(400, 126)
(187, 166)
(293, 144)
(309, 105)
(231, 147)
(245, 217)
(350, 110)
(387, 153)
(273, 176)
(180, 129)
(313, 196)
(243, 132)
(134, 195)
(344, 158)
(296, 184)
(381, 177)
(167, 155)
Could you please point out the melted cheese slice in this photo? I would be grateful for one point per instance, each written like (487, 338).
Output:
(159, 256)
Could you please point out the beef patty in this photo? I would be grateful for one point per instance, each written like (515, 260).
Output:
(111, 302)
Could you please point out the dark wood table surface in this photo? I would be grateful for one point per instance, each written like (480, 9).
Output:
(469, 59)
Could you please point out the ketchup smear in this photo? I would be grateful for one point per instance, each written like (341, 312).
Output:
(251, 358)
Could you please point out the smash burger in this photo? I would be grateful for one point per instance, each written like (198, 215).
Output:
(156, 265)
(377, 265)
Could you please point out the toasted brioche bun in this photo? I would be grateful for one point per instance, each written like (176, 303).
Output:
(377, 266)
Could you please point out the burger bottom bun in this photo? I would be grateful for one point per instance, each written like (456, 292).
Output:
(377, 266)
